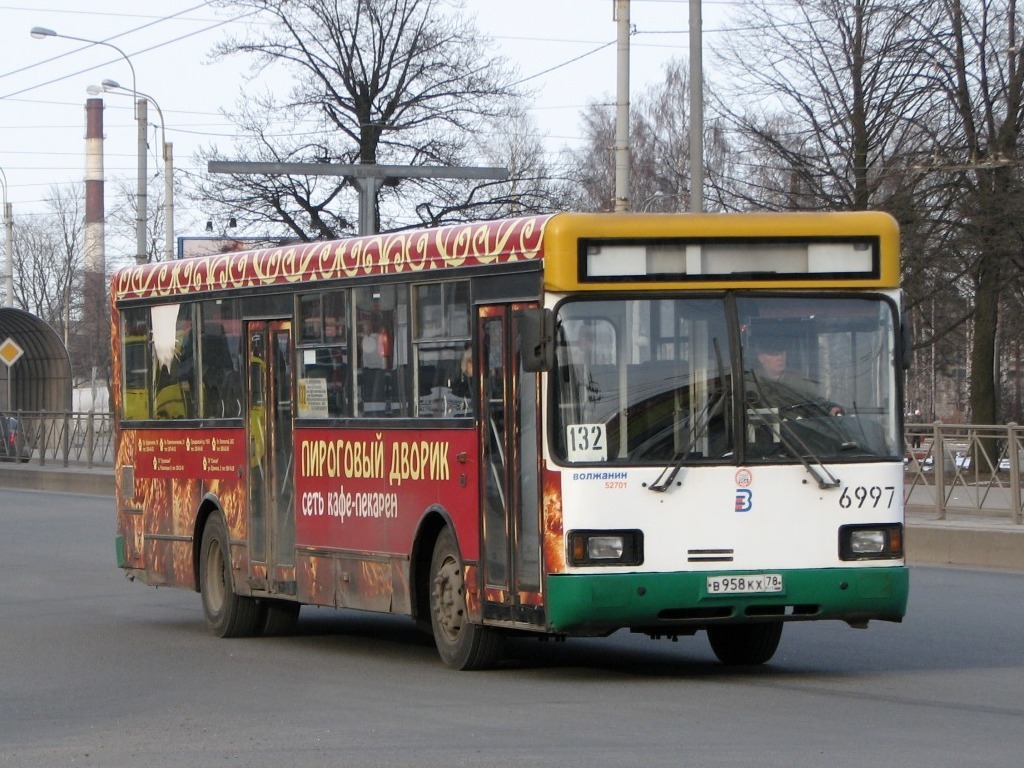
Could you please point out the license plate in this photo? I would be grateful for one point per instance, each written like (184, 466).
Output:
(750, 584)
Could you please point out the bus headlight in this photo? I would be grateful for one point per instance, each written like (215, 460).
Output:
(606, 547)
(871, 542)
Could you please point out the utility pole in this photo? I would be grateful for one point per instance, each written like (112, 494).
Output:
(622, 107)
(366, 178)
(8, 245)
(141, 238)
(696, 109)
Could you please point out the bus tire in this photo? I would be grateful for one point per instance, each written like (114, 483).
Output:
(278, 617)
(745, 644)
(227, 613)
(461, 644)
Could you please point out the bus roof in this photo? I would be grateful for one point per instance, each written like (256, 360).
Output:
(554, 238)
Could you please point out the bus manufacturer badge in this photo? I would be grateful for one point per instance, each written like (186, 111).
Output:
(744, 500)
(744, 496)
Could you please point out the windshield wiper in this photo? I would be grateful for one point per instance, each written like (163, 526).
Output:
(700, 428)
(788, 436)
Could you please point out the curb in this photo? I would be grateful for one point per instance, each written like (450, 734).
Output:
(971, 541)
(94, 482)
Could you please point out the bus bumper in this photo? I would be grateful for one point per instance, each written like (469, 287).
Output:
(593, 604)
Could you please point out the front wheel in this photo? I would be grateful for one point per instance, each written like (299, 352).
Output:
(460, 643)
(745, 644)
(227, 614)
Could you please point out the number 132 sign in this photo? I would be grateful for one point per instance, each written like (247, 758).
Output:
(586, 442)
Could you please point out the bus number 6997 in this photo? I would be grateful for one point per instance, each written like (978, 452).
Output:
(871, 496)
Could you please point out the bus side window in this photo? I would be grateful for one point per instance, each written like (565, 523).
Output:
(136, 362)
(222, 395)
(442, 350)
(381, 351)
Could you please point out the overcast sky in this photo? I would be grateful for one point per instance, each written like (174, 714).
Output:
(43, 82)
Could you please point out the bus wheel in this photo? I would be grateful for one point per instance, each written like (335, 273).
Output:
(278, 617)
(460, 643)
(227, 614)
(745, 644)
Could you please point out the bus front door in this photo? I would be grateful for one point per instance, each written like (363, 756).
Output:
(510, 497)
(270, 483)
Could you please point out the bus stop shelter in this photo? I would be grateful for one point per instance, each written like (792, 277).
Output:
(40, 379)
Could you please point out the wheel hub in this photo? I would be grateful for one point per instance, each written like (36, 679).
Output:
(448, 599)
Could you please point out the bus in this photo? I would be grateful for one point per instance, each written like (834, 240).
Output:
(673, 423)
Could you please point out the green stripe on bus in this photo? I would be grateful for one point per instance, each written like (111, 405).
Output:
(583, 603)
(119, 546)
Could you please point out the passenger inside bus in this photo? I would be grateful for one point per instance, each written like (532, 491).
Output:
(376, 382)
(462, 386)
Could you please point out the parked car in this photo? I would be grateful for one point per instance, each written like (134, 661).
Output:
(14, 442)
(963, 461)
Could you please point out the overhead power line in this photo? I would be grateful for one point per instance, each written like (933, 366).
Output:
(107, 40)
(134, 53)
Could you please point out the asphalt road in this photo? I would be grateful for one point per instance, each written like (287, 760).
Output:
(100, 672)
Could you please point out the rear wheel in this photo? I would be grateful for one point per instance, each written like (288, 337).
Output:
(278, 617)
(745, 644)
(227, 614)
(460, 643)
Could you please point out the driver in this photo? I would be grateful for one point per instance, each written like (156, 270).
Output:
(778, 387)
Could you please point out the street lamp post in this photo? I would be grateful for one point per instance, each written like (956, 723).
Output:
(8, 245)
(141, 256)
(168, 156)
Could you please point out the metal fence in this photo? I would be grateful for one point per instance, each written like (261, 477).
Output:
(949, 468)
(965, 468)
(65, 438)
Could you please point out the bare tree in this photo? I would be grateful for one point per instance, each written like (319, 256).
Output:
(659, 149)
(591, 170)
(372, 81)
(514, 142)
(48, 260)
(121, 222)
(50, 282)
(981, 71)
(834, 92)
(36, 264)
(912, 107)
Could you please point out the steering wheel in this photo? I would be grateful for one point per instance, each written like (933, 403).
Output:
(809, 409)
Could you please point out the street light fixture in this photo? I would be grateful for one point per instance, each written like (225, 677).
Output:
(168, 156)
(41, 33)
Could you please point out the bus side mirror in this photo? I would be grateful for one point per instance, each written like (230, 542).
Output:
(536, 339)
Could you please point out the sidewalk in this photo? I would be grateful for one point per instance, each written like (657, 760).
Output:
(968, 539)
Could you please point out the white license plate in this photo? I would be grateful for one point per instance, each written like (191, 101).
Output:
(748, 584)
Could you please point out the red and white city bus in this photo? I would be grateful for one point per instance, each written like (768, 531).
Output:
(562, 425)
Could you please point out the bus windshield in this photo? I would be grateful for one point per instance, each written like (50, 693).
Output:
(725, 379)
